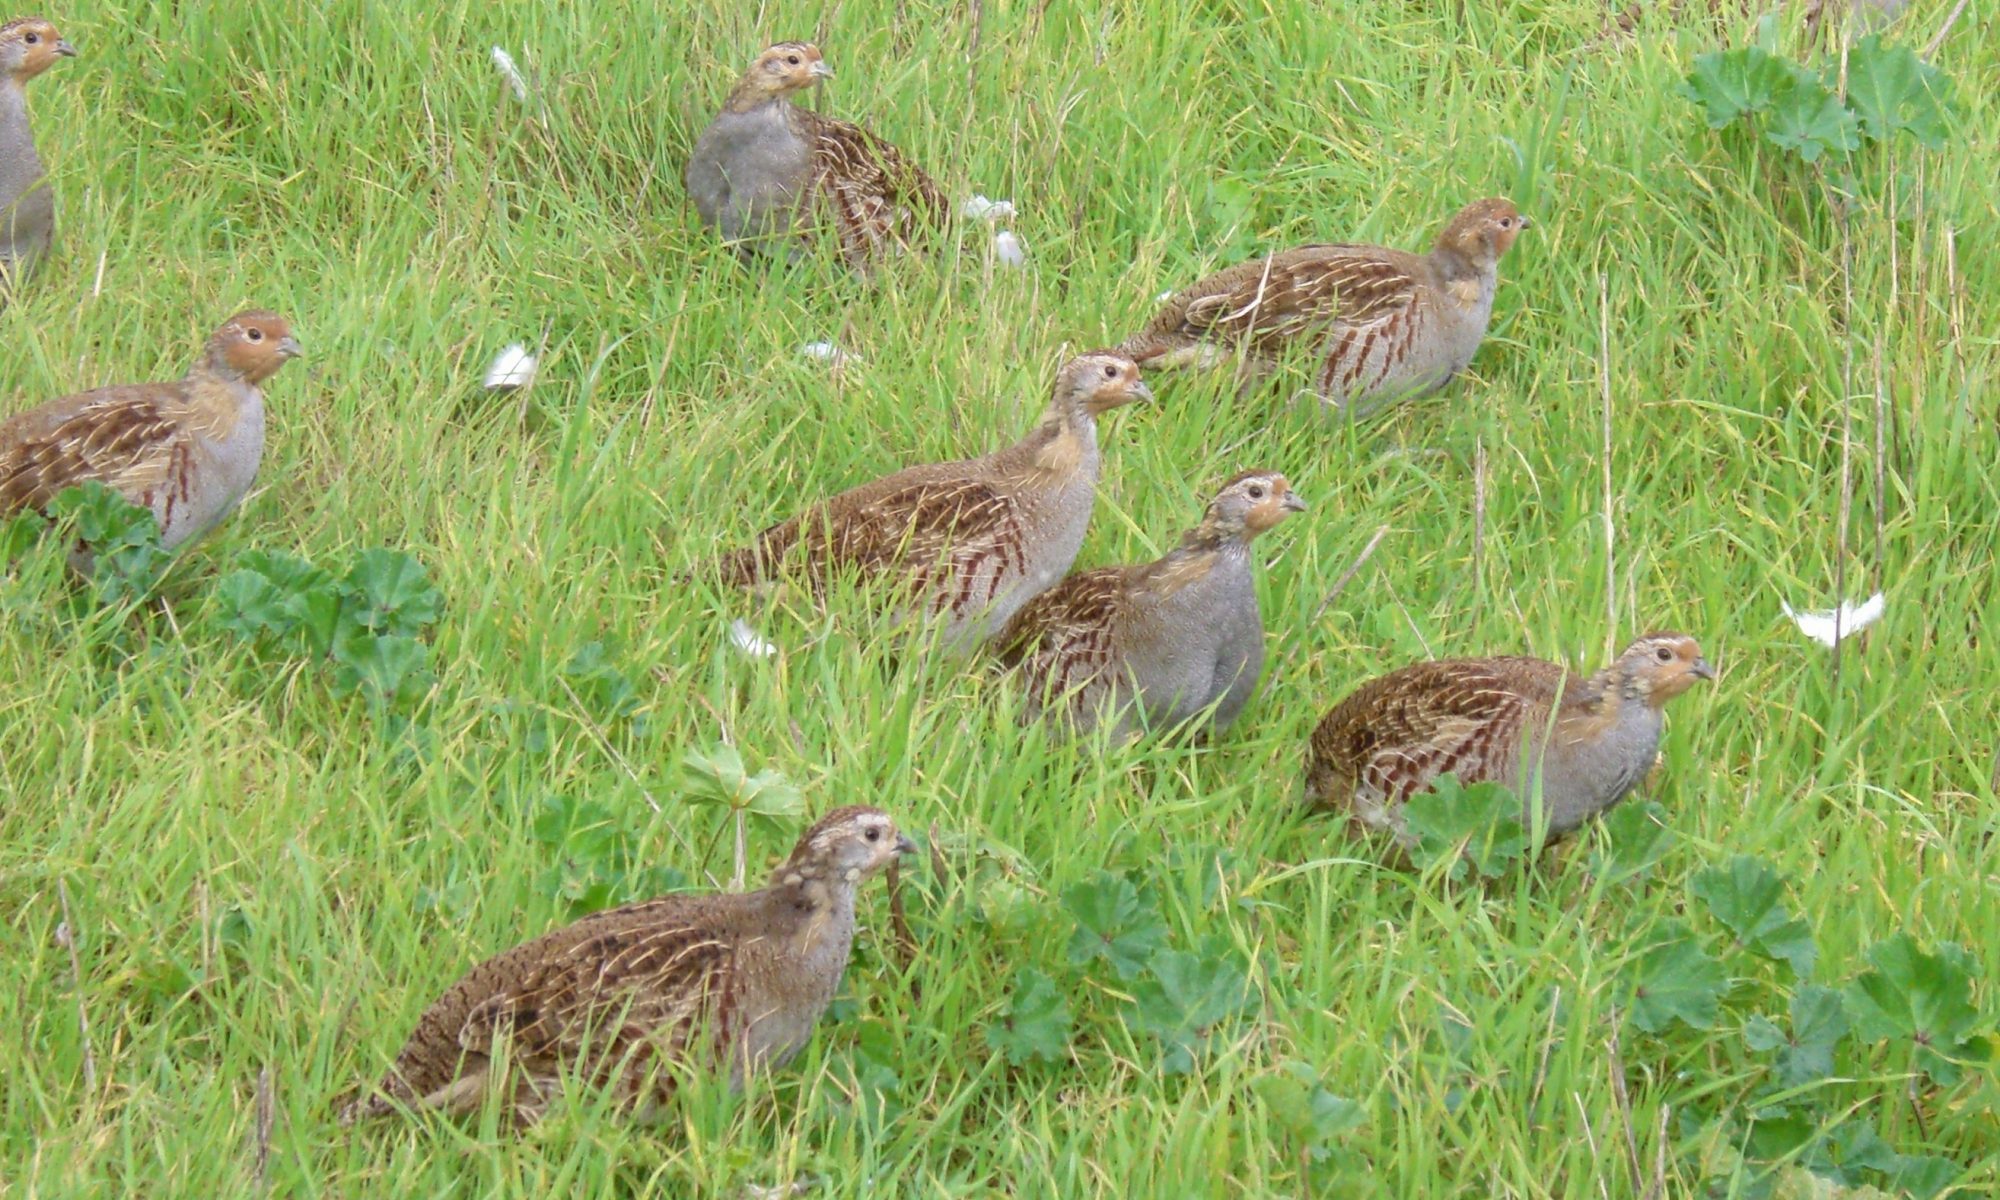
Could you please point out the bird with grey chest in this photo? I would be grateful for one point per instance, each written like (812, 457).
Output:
(966, 542)
(1384, 324)
(771, 176)
(626, 998)
(1571, 745)
(1156, 645)
(28, 47)
(186, 450)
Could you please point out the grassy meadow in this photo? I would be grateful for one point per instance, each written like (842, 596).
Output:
(267, 877)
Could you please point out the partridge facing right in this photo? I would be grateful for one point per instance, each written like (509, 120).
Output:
(1157, 644)
(730, 984)
(768, 174)
(187, 450)
(969, 542)
(1386, 325)
(28, 46)
(1514, 721)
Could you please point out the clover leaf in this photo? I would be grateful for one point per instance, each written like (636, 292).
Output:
(1748, 897)
(1114, 923)
(1676, 980)
(1036, 1024)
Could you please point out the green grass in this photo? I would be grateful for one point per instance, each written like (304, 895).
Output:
(263, 877)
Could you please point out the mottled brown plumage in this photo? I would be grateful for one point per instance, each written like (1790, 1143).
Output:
(187, 450)
(967, 541)
(1156, 645)
(1385, 324)
(623, 999)
(770, 175)
(1478, 718)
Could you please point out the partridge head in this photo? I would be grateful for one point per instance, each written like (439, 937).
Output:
(29, 46)
(781, 71)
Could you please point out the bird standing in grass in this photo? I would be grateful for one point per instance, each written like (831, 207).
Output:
(769, 175)
(1385, 324)
(1156, 645)
(28, 46)
(1586, 742)
(187, 450)
(969, 541)
(627, 997)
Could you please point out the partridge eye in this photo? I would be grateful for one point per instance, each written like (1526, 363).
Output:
(1256, 491)
(1110, 372)
(792, 59)
(32, 38)
(255, 335)
(1664, 654)
(874, 835)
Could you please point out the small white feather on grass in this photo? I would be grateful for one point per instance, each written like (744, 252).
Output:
(979, 208)
(512, 368)
(1836, 625)
(503, 62)
(748, 641)
(829, 353)
(1008, 249)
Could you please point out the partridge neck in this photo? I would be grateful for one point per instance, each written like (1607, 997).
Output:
(748, 97)
(1455, 266)
(17, 141)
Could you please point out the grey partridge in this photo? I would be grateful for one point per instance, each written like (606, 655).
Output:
(969, 542)
(28, 46)
(729, 984)
(1521, 722)
(769, 175)
(187, 450)
(1384, 324)
(1162, 644)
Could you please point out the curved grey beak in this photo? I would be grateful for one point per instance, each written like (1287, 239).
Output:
(904, 845)
(1293, 502)
(1525, 222)
(290, 348)
(1702, 670)
(1139, 393)
(821, 71)
(64, 48)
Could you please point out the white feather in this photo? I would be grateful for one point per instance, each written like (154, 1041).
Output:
(512, 368)
(745, 639)
(1849, 619)
(1008, 249)
(829, 353)
(979, 208)
(504, 63)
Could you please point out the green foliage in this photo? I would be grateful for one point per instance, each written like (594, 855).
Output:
(1115, 922)
(716, 777)
(1675, 980)
(1310, 1114)
(1477, 827)
(1889, 90)
(1924, 1000)
(1036, 1025)
(1186, 1000)
(1748, 897)
(369, 621)
(123, 539)
(1805, 1051)
(1631, 840)
(597, 862)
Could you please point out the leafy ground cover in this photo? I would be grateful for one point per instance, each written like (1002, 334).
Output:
(435, 687)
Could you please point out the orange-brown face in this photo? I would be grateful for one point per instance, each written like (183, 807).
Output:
(1485, 228)
(1665, 665)
(1265, 498)
(786, 68)
(29, 46)
(255, 344)
(1105, 381)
